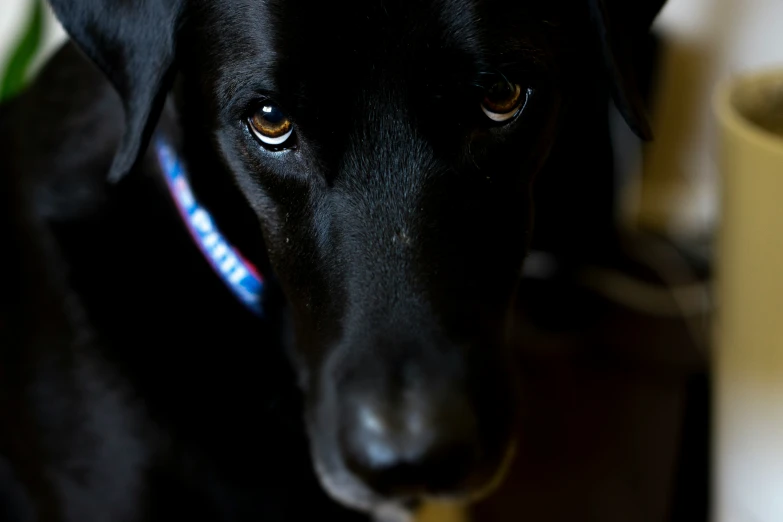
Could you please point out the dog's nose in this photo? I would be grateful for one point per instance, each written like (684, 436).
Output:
(418, 445)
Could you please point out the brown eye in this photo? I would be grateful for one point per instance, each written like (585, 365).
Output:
(270, 124)
(503, 101)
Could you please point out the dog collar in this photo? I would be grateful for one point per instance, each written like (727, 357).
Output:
(241, 277)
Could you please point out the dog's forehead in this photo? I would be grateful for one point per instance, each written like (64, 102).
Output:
(313, 18)
(340, 38)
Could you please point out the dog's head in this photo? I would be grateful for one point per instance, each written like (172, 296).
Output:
(388, 148)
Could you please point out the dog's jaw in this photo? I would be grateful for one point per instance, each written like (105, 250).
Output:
(497, 479)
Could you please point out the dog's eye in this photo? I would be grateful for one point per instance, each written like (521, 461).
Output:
(270, 124)
(504, 100)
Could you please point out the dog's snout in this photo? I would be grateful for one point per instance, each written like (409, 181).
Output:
(420, 445)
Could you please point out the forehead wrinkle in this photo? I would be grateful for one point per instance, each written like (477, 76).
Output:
(236, 83)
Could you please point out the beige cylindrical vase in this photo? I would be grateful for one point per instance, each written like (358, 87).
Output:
(748, 357)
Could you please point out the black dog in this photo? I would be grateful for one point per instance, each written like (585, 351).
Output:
(386, 149)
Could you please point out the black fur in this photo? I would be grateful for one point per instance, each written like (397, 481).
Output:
(133, 387)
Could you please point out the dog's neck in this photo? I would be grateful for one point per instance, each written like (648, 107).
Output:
(230, 265)
(212, 185)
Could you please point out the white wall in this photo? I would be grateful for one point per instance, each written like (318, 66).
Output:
(13, 18)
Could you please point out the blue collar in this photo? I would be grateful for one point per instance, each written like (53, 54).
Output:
(241, 277)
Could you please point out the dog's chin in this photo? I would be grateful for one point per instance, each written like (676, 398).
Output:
(346, 489)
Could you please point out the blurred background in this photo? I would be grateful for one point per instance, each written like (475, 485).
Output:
(624, 426)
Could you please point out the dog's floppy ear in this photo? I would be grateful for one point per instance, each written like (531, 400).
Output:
(133, 43)
(619, 24)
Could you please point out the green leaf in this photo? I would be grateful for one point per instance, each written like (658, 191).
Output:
(16, 72)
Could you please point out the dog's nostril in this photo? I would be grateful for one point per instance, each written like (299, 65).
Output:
(371, 420)
(373, 431)
(408, 451)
